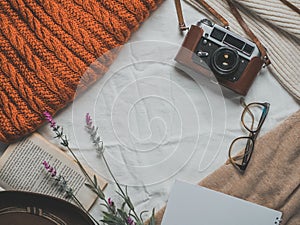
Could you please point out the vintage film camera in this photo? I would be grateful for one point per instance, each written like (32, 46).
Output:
(213, 50)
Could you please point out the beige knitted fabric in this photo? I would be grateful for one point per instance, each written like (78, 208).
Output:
(277, 27)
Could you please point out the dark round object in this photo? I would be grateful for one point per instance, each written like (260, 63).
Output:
(206, 22)
(25, 208)
(225, 61)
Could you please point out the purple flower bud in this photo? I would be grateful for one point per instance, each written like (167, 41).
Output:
(53, 174)
(110, 202)
(130, 221)
(50, 170)
(46, 165)
(50, 119)
(52, 124)
(88, 119)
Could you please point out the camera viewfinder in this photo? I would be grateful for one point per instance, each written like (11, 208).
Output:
(234, 42)
(217, 34)
(248, 49)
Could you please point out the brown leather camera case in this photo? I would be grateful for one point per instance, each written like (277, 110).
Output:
(184, 57)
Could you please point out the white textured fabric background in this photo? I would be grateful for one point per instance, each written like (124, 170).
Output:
(159, 124)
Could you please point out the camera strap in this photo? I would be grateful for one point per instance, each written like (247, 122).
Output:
(225, 23)
(293, 7)
(249, 32)
(181, 22)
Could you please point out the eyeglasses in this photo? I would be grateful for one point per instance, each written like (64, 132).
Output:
(253, 117)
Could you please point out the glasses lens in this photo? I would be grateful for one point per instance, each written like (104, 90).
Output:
(240, 150)
(252, 115)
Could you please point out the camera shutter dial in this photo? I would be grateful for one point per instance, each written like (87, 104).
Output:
(206, 22)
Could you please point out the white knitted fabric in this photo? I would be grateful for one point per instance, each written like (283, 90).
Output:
(277, 27)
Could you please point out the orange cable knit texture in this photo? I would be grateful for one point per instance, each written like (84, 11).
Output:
(47, 45)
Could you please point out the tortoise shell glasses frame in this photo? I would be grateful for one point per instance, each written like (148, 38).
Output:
(248, 120)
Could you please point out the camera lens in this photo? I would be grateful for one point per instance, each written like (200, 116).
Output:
(225, 61)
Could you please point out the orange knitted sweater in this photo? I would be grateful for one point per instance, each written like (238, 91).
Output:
(47, 45)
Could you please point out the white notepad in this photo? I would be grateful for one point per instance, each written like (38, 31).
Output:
(190, 204)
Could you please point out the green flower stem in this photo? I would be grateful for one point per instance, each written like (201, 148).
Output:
(118, 216)
(65, 143)
(121, 190)
(123, 194)
(80, 166)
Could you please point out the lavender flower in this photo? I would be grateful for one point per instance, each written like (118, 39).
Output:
(58, 130)
(130, 221)
(120, 216)
(88, 120)
(110, 202)
(64, 142)
(49, 168)
(50, 119)
(60, 180)
(111, 206)
(126, 214)
(62, 184)
(93, 131)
